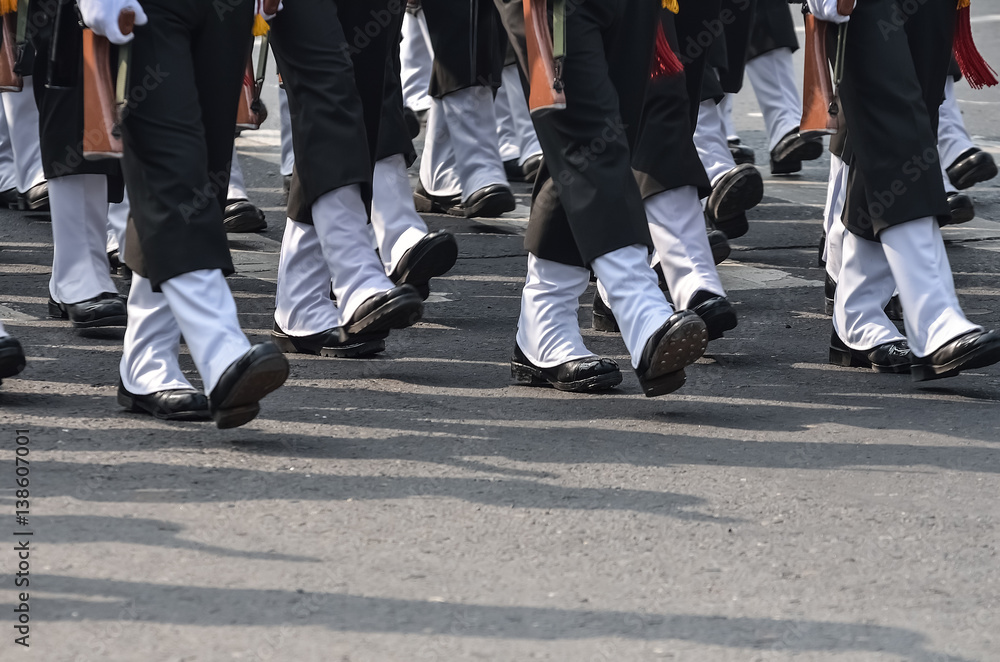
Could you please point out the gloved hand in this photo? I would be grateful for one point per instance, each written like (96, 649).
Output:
(101, 16)
(268, 8)
(826, 10)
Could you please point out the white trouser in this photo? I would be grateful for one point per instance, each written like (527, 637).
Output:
(773, 78)
(416, 61)
(395, 220)
(833, 226)
(953, 139)
(460, 151)
(287, 152)
(515, 132)
(356, 273)
(726, 113)
(22, 123)
(548, 329)
(710, 139)
(237, 187)
(117, 222)
(80, 269)
(677, 225)
(864, 287)
(302, 305)
(152, 343)
(8, 172)
(205, 311)
(931, 313)
(633, 296)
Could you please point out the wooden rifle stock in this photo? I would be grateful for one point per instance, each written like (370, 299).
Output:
(544, 81)
(251, 112)
(271, 7)
(101, 125)
(820, 110)
(10, 81)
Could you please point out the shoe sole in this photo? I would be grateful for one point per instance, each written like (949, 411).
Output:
(531, 376)
(58, 312)
(785, 167)
(981, 358)
(962, 215)
(356, 350)
(242, 405)
(720, 251)
(426, 205)
(493, 205)
(398, 313)
(12, 362)
(133, 405)
(850, 359)
(743, 193)
(807, 150)
(682, 346)
(435, 258)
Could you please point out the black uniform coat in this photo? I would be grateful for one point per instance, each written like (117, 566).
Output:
(773, 28)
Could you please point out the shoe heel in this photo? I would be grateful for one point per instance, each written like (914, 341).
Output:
(127, 401)
(664, 384)
(235, 417)
(523, 374)
(58, 312)
(829, 307)
(848, 358)
(422, 204)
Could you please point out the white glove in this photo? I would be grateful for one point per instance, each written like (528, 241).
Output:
(826, 10)
(101, 16)
(259, 9)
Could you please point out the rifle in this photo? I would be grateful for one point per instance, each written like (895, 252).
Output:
(251, 113)
(546, 53)
(104, 99)
(10, 80)
(820, 108)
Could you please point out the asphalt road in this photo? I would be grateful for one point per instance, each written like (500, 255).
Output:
(421, 507)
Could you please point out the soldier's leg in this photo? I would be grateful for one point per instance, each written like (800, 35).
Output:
(22, 122)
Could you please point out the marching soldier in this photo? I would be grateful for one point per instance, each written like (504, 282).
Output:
(177, 139)
(892, 88)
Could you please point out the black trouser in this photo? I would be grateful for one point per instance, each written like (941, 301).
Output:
(393, 134)
(586, 201)
(332, 57)
(469, 45)
(185, 78)
(665, 157)
(895, 68)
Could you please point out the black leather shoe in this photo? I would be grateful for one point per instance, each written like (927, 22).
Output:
(820, 260)
(588, 375)
(114, 261)
(962, 209)
(11, 357)
(235, 399)
(525, 172)
(604, 319)
(107, 309)
(976, 349)
(718, 242)
(681, 341)
(412, 122)
(434, 255)
(488, 202)
(35, 198)
(794, 148)
(892, 357)
(734, 228)
(971, 167)
(184, 404)
(9, 198)
(243, 216)
(716, 311)
(738, 190)
(397, 308)
(434, 204)
(328, 343)
(741, 153)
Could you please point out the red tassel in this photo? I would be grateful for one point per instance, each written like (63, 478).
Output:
(977, 72)
(665, 63)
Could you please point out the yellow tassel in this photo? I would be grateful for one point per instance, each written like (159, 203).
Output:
(962, 4)
(672, 5)
(8, 6)
(260, 26)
